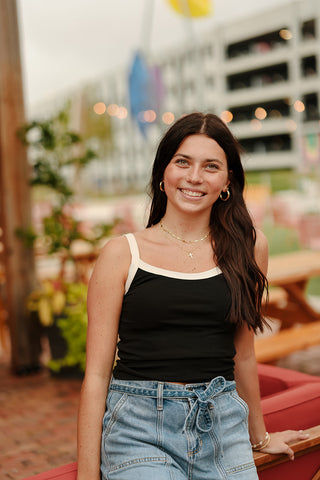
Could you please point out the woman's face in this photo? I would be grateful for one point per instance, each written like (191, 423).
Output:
(196, 175)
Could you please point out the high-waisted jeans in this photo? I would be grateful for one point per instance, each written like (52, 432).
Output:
(168, 431)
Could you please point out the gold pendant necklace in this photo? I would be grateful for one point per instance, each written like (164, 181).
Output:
(190, 254)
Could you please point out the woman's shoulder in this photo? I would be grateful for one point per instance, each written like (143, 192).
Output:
(114, 258)
(261, 243)
(116, 246)
(117, 249)
(261, 251)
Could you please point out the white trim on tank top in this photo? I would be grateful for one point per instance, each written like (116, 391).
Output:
(136, 263)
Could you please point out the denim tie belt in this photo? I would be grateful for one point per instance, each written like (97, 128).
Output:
(199, 414)
(203, 394)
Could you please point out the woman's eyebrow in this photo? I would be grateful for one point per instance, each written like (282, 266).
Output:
(207, 160)
(181, 155)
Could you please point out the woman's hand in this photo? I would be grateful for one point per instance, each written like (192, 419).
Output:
(279, 442)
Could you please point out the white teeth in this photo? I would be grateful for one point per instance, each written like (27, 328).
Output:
(191, 193)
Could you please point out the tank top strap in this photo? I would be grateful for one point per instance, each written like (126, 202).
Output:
(135, 257)
(134, 249)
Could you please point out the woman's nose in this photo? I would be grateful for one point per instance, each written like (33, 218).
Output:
(194, 175)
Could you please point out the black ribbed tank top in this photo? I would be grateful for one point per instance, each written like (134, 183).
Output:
(173, 326)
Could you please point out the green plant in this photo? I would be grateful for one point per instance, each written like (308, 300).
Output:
(53, 148)
(63, 304)
(73, 325)
(58, 155)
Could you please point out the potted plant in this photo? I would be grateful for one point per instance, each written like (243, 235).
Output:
(61, 309)
(58, 155)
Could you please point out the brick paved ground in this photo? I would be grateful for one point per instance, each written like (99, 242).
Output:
(38, 417)
(37, 423)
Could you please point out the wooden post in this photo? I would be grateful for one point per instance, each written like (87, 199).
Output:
(15, 205)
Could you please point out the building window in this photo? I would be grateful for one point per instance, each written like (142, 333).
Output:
(309, 66)
(311, 102)
(261, 111)
(308, 30)
(258, 78)
(267, 144)
(260, 44)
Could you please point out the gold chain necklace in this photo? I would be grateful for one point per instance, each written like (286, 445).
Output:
(190, 254)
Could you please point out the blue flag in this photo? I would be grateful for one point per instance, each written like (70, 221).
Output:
(145, 91)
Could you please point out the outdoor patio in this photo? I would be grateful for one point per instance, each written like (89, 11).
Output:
(37, 422)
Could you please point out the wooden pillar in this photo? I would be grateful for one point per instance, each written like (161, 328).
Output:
(15, 205)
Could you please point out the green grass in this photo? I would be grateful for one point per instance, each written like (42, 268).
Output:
(281, 239)
(276, 179)
(314, 286)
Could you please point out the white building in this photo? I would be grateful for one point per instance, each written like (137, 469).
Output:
(263, 72)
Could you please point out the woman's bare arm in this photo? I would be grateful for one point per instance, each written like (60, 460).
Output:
(246, 376)
(105, 295)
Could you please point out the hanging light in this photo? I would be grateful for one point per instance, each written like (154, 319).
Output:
(285, 34)
(113, 109)
(99, 108)
(149, 116)
(299, 106)
(226, 116)
(260, 113)
(122, 113)
(168, 118)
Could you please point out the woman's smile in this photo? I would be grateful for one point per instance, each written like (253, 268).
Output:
(191, 193)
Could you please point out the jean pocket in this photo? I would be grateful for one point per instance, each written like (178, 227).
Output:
(242, 404)
(139, 467)
(115, 402)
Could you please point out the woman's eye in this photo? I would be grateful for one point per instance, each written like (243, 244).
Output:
(182, 161)
(212, 166)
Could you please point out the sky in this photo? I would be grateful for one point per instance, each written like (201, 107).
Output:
(66, 43)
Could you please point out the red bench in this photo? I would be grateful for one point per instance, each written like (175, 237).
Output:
(67, 472)
(290, 400)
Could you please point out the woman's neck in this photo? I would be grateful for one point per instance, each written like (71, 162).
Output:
(188, 227)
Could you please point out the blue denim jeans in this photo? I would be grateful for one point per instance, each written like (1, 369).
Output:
(165, 431)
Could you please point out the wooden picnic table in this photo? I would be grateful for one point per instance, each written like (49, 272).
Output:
(291, 273)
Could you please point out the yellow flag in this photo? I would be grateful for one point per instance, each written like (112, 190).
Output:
(192, 8)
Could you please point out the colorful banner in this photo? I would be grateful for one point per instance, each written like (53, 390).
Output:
(146, 92)
(311, 148)
(192, 8)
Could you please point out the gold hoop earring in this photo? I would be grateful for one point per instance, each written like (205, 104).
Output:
(161, 186)
(225, 199)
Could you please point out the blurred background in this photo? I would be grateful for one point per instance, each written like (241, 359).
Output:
(86, 91)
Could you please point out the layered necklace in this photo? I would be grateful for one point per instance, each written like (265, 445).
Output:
(187, 242)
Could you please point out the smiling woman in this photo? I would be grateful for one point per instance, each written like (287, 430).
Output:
(183, 296)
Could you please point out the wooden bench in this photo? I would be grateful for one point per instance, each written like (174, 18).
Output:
(291, 272)
(281, 307)
(299, 337)
(277, 297)
(264, 461)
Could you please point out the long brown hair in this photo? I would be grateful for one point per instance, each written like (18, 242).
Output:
(232, 232)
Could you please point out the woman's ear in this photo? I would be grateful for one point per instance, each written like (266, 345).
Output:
(230, 173)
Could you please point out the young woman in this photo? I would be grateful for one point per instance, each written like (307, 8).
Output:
(184, 296)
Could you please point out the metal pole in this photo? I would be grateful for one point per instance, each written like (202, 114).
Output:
(147, 24)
